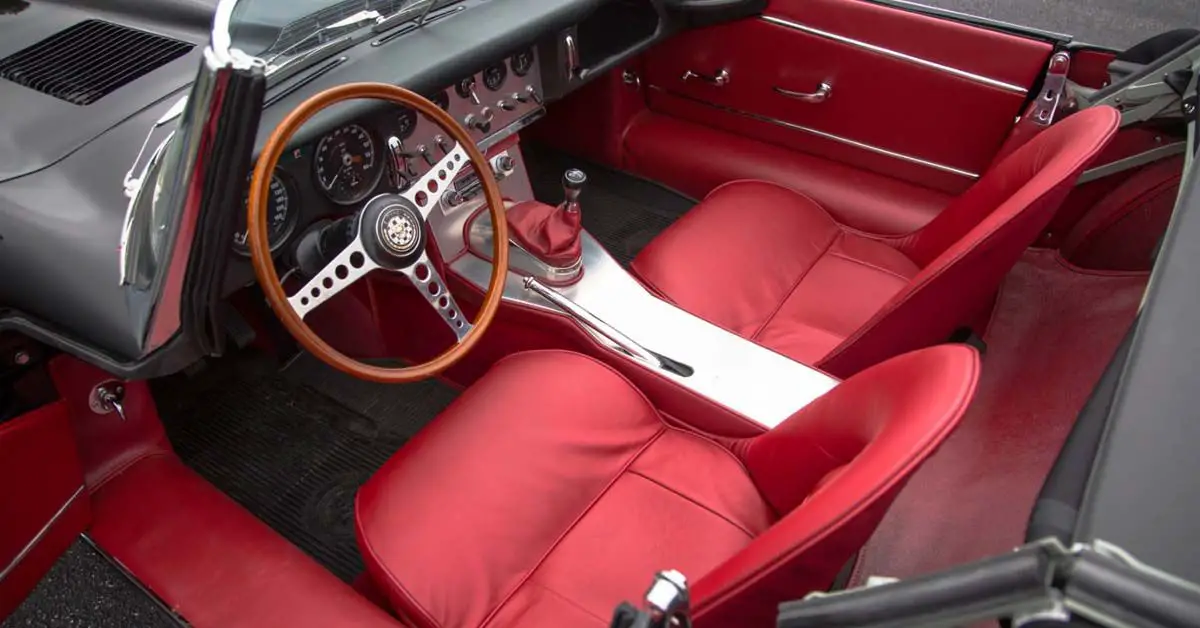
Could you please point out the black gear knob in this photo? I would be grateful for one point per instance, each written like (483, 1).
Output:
(573, 182)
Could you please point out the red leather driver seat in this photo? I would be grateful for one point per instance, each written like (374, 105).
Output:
(532, 504)
(771, 265)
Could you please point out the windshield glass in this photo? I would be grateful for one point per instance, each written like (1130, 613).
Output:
(279, 29)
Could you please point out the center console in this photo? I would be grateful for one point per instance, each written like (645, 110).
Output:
(601, 297)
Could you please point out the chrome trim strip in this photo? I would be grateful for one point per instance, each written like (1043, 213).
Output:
(933, 65)
(37, 538)
(829, 136)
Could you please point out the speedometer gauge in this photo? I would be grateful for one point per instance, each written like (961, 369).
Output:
(281, 217)
(347, 165)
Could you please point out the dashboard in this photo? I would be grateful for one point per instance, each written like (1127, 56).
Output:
(385, 151)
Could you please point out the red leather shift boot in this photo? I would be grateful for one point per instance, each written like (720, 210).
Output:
(549, 233)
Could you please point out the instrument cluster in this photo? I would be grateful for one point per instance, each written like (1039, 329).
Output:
(387, 151)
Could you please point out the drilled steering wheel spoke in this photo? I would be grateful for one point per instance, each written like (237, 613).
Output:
(429, 283)
(349, 266)
(424, 194)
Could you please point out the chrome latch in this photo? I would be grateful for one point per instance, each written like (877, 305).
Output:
(668, 600)
(108, 397)
(720, 79)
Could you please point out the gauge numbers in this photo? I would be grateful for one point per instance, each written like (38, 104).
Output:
(347, 164)
(281, 218)
(406, 123)
(441, 99)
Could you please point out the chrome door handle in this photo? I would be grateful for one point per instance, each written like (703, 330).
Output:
(720, 79)
(821, 95)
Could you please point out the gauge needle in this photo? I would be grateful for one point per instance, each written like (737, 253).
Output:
(336, 175)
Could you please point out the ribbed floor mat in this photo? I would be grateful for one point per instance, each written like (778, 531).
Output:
(290, 453)
(84, 589)
(623, 212)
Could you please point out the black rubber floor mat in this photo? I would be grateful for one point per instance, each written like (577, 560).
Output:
(620, 210)
(84, 589)
(293, 455)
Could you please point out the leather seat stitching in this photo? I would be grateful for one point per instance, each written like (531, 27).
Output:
(795, 286)
(568, 600)
(365, 540)
(875, 267)
(716, 514)
(554, 545)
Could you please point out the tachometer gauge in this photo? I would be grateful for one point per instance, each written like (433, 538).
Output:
(347, 166)
(281, 218)
(493, 77)
(406, 123)
(522, 62)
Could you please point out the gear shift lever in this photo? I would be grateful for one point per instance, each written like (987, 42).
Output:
(548, 233)
(573, 181)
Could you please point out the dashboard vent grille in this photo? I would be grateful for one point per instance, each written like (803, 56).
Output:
(90, 60)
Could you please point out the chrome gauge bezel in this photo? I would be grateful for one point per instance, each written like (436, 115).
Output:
(278, 177)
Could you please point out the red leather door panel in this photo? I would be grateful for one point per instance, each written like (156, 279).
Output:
(43, 505)
(923, 100)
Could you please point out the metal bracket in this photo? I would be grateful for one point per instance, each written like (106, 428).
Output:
(1045, 106)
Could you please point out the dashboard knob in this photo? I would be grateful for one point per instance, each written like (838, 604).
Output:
(533, 94)
(519, 97)
(506, 105)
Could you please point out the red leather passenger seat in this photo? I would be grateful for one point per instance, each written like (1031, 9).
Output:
(528, 503)
(771, 265)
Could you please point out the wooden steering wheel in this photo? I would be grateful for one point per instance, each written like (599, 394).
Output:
(391, 234)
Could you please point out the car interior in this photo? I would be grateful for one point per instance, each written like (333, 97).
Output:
(784, 296)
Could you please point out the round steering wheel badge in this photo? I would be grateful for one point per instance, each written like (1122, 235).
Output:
(399, 230)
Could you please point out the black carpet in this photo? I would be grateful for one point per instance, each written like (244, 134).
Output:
(83, 590)
(293, 446)
(621, 211)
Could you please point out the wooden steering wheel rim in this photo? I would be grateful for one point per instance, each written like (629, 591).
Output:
(264, 266)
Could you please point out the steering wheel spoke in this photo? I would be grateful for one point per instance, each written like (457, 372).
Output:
(426, 191)
(424, 275)
(392, 235)
(345, 269)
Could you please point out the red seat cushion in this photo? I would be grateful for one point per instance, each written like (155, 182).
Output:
(552, 490)
(535, 505)
(771, 265)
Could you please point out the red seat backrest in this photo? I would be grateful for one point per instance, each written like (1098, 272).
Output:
(968, 249)
(831, 471)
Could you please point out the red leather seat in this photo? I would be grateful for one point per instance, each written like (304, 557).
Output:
(528, 503)
(770, 264)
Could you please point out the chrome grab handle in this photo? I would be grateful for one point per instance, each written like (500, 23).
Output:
(824, 91)
(720, 79)
(571, 59)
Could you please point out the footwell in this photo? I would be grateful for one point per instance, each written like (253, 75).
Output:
(293, 446)
(1053, 331)
(85, 589)
(620, 210)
